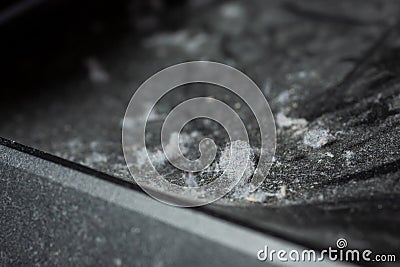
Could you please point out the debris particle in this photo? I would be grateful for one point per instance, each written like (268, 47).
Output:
(267, 88)
(191, 43)
(325, 155)
(318, 138)
(190, 180)
(348, 155)
(260, 196)
(96, 72)
(173, 144)
(394, 104)
(132, 123)
(257, 197)
(158, 157)
(117, 262)
(94, 158)
(282, 193)
(231, 10)
(285, 122)
(283, 97)
(230, 162)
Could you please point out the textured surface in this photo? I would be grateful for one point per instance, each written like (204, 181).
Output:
(47, 224)
(322, 70)
(328, 68)
(39, 193)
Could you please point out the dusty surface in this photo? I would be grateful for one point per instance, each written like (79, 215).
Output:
(329, 70)
(330, 75)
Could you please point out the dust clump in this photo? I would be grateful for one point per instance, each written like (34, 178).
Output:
(318, 138)
(286, 122)
(96, 72)
(348, 155)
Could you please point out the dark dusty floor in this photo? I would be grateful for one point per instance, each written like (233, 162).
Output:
(318, 67)
(327, 68)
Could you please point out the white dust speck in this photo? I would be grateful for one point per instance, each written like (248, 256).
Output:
(261, 196)
(96, 72)
(231, 11)
(131, 123)
(95, 158)
(117, 262)
(74, 143)
(173, 148)
(158, 157)
(267, 88)
(258, 196)
(286, 122)
(394, 104)
(283, 97)
(318, 138)
(190, 180)
(230, 162)
(282, 192)
(348, 155)
(326, 155)
(190, 43)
